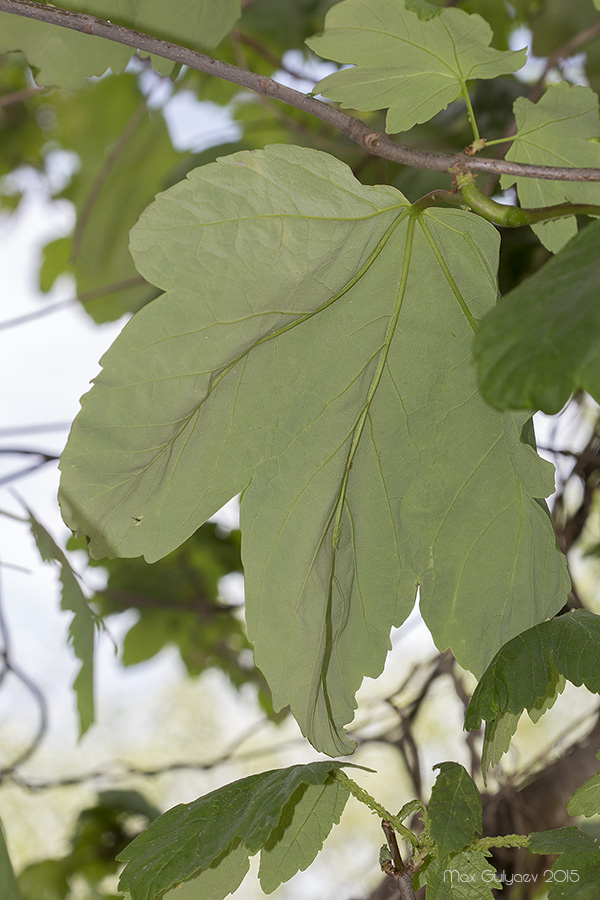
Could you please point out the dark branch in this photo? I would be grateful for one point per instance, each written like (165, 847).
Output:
(373, 142)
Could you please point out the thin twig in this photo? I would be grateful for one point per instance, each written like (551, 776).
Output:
(34, 429)
(85, 297)
(20, 473)
(396, 868)
(21, 95)
(373, 142)
(568, 49)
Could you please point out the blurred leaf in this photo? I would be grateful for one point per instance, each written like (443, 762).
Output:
(101, 831)
(255, 812)
(178, 602)
(109, 127)
(64, 57)
(454, 809)
(411, 66)
(83, 623)
(8, 882)
(534, 349)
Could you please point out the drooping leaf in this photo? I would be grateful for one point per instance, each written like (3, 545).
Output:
(178, 602)
(454, 809)
(296, 358)
(559, 130)
(463, 876)
(83, 624)
(255, 813)
(302, 829)
(585, 801)
(412, 66)
(10, 890)
(66, 58)
(524, 674)
(536, 347)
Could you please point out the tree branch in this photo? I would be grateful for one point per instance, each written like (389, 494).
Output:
(373, 142)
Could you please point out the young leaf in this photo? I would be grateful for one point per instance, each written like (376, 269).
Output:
(464, 876)
(83, 624)
(412, 66)
(525, 672)
(534, 349)
(585, 801)
(8, 881)
(454, 809)
(560, 130)
(209, 838)
(66, 58)
(313, 351)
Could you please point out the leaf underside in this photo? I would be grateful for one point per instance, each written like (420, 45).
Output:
(412, 66)
(534, 349)
(560, 130)
(66, 58)
(526, 673)
(284, 813)
(313, 351)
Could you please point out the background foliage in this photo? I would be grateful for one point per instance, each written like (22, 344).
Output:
(118, 134)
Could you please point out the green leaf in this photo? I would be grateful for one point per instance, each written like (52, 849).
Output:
(454, 809)
(526, 672)
(585, 801)
(535, 349)
(254, 813)
(411, 66)
(302, 829)
(559, 130)
(561, 840)
(83, 624)
(464, 876)
(576, 872)
(66, 58)
(295, 358)
(10, 890)
(221, 878)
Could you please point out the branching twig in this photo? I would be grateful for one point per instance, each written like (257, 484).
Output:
(373, 142)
